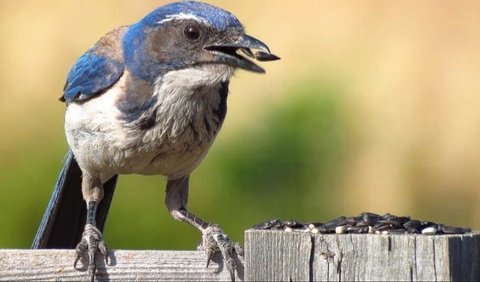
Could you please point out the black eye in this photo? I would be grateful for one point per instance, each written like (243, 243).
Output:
(192, 32)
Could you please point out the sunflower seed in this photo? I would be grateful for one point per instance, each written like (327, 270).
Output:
(340, 229)
(365, 223)
(334, 223)
(274, 223)
(397, 231)
(453, 230)
(264, 56)
(380, 226)
(431, 230)
(358, 229)
(369, 218)
(293, 224)
(412, 226)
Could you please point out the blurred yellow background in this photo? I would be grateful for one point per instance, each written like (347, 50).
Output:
(373, 107)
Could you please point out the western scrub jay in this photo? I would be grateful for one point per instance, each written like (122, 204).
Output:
(148, 99)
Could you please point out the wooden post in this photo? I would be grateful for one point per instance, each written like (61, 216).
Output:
(298, 256)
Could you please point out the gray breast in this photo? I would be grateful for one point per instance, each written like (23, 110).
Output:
(160, 120)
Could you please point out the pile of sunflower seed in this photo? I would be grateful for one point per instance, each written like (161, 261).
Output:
(366, 222)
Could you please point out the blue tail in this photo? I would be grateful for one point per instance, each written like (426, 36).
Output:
(63, 222)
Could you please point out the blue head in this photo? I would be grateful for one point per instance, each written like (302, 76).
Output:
(188, 34)
(211, 15)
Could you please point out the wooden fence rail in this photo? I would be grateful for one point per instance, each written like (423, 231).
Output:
(275, 256)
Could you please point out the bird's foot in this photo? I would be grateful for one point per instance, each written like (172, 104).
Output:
(213, 240)
(91, 244)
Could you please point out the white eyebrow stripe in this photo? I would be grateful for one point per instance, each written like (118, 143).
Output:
(183, 16)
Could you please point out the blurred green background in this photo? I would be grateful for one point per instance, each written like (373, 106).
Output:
(374, 106)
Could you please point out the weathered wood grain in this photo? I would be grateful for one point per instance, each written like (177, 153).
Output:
(21, 265)
(361, 257)
(277, 256)
(274, 256)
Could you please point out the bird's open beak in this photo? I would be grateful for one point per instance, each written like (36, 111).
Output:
(227, 53)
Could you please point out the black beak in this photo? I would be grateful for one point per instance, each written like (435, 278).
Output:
(227, 53)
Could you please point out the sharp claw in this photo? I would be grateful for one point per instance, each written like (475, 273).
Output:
(102, 248)
(91, 258)
(80, 250)
(103, 251)
(91, 244)
(214, 239)
(91, 272)
(232, 274)
(91, 264)
(209, 256)
(231, 266)
(76, 260)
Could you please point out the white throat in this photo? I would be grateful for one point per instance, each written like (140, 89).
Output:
(191, 80)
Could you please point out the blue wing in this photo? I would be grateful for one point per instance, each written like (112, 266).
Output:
(91, 75)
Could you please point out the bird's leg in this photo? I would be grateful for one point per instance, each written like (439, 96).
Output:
(92, 238)
(213, 237)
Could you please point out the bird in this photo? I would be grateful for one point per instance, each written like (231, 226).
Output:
(148, 98)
